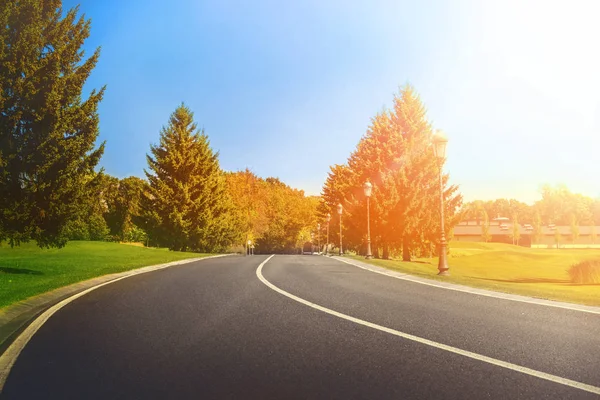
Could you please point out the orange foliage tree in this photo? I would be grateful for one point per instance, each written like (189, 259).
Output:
(397, 157)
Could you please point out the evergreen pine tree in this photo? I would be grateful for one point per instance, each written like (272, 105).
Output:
(187, 206)
(416, 214)
(47, 131)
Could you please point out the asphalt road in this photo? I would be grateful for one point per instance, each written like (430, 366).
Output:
(212, 329)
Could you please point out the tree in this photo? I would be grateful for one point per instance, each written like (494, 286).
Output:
(516, 233)
(485, 227)
(574, 229)
(396, 156)
(291, 217)
(557, 237)
(559, 205)
(537, 227)
(123, 205)
(187, 206)
(249, 194)
(47, 130)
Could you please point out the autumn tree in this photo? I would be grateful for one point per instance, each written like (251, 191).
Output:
(186, 205)
(516, 233)
(485, 227)
(574, 229)
(558, 205)
(537, 227)
(557, 237)
(249, 195)
(48, 130)
(291, 216)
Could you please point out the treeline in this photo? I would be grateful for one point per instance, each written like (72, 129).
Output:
(274, 216)
(558, 206)
(396, 156)
(51, 192)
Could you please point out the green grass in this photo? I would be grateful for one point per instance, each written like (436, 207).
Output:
(27, 270)
(541, 273)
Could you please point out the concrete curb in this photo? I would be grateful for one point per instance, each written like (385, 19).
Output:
(15, 318)
(468, 289)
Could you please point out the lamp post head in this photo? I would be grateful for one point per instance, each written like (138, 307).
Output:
(368, 187)
(249, 242)
(328, 217)
(440, 140)
(340, 208)
(319, 226)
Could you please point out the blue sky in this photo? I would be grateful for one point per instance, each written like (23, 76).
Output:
(287, 88)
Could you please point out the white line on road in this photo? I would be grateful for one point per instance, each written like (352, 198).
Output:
(455, 350)
(478, 292)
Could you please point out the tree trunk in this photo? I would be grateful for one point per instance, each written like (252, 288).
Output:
(386, 251)
(405, 250)
(375, 249)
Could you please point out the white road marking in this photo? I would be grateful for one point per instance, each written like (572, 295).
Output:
(455, 350)
(8, 358)
(503, 296)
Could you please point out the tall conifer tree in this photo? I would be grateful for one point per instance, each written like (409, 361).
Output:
(47, 130)
(187, 206)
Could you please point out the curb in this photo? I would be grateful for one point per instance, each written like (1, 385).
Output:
(17, 318)
(469, 289)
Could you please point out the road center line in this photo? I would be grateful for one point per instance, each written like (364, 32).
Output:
(455, 350)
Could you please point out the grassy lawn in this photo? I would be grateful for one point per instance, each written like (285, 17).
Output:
(538, 273)
(27, 270)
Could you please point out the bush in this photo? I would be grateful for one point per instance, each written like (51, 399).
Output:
(135, 234)
(98, 228)
(235, 249)
(77, 230)
(585, 272)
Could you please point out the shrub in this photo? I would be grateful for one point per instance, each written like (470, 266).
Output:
(135, 234)
(585, 272)
(77, 230)
(98, 228)
(235, 249)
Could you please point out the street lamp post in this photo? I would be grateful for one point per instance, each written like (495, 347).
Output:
(327, 244)
(340, 210)
(368, 187)
(249, 250)
(439, 148)
(319, 238)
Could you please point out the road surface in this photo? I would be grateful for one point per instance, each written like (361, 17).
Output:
(304, 327)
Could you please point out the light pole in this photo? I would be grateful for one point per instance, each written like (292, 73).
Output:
(327, 244)
(340, 210)
(249, 243)
(319, 237)
(368, 187)
(439, 148)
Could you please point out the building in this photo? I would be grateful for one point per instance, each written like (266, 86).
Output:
(501, 230)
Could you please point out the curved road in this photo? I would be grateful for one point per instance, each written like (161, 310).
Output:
(213, 329)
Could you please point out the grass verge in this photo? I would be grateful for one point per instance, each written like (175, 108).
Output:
(541, 273)
(27, 270)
